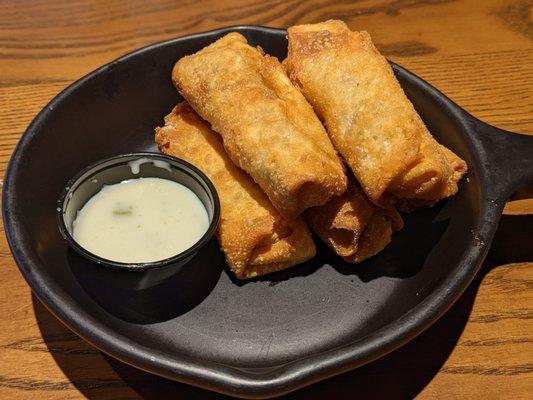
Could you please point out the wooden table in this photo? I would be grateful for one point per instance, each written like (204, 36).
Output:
(479, 53)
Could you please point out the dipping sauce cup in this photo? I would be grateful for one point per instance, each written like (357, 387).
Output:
(89, 182)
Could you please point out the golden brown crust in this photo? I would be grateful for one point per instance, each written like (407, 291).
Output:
(255, 239)
(368, 117)
(375, 237)
(340, 222)
(267, 126)
(352, 226)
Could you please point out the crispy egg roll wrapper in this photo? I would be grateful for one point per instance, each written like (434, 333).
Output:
(267, 126)
(352, 226)
(254, 237)
(457, 168)
(367, 115)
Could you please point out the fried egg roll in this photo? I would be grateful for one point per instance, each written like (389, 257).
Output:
(352, 226)
(254, 237)
(267, 126)
(367, 115)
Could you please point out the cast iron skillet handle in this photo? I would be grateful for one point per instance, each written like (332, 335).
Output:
(510, 160)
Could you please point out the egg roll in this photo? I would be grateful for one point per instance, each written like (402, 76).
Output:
(254, 237)
(368, 117)
(267, 126)
(352, 226)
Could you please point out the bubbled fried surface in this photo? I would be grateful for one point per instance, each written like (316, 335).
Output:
(268, 127)
(367, 115)
(253, 236)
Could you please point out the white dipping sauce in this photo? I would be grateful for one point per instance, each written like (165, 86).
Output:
(141, 220)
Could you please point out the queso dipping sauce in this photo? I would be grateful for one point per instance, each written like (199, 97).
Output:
(141, 220)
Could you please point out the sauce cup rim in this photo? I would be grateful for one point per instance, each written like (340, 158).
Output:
(141, 266)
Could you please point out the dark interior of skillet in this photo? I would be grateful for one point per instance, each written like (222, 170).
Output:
(202, 311)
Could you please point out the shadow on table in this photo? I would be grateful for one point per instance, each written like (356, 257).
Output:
(400, 375)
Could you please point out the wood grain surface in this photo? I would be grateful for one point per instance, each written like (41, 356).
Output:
(479, 53)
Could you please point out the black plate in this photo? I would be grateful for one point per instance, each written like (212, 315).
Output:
(271, 335)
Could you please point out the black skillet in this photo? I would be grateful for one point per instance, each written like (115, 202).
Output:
(269, 336)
